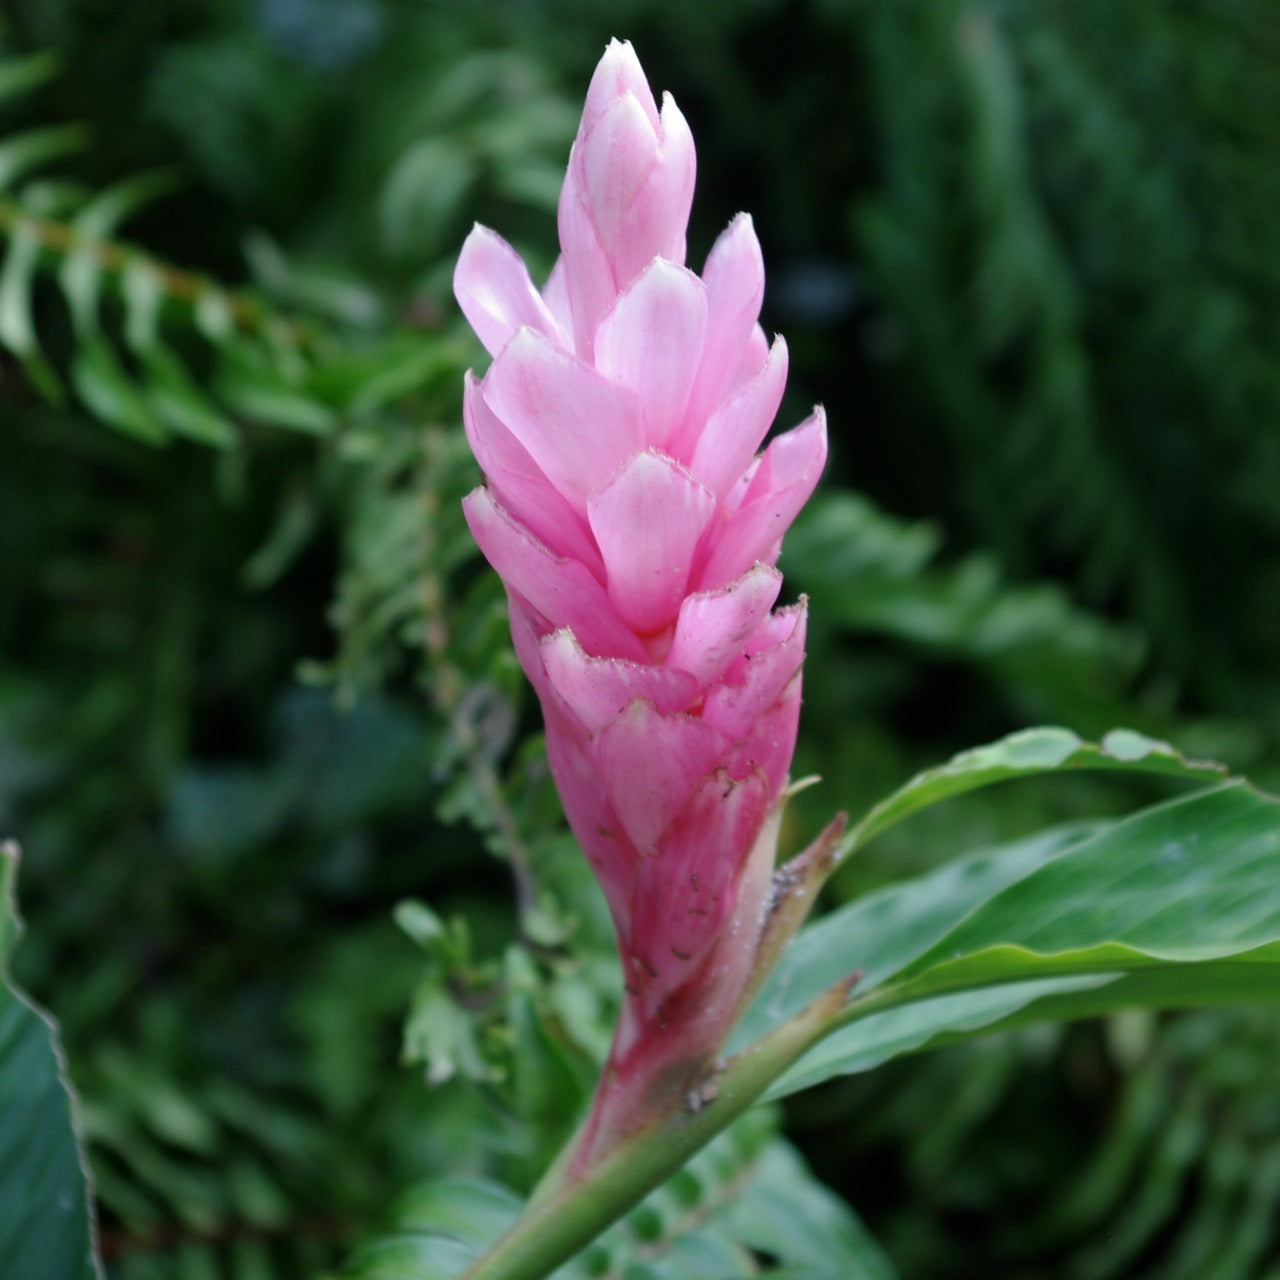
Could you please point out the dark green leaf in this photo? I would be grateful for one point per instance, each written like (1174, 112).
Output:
(111, 394)
(17, 328)
(786, 1213)
(20, 75)
(46, 1225)
(27, 151)
(179, 403)
(437, 1230)
(362, 382)
(1025, 754)
(1191, 880)
(1173, 907)
(261, 392)
(883, 932)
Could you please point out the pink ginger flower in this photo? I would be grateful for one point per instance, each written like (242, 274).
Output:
(636, 530)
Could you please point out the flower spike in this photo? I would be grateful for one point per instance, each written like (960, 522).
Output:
(636, 527)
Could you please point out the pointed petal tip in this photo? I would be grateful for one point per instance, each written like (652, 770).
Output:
(492, 286)
(617, 74)
(815, 425)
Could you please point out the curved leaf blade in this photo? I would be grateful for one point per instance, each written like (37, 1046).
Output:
(17, 324)
(883, 932)
(27, 151)
(1174, 907)
(942, 1020)
(1047, 749)
(109, 393)
(46, 1223)
(81, 272)
(1194, 879)
(178, 402)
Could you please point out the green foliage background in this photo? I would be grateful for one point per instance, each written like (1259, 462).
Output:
(255, 687)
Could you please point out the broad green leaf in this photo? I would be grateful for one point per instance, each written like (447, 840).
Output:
(942, 1020)
(468, 1209)
(1024, 754)
(46, 1226)
(1173, 907)
(1195, 879)
(926, 1024)
(412, 1257)
(883, 932)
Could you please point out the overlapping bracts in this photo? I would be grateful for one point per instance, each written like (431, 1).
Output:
(636, 527)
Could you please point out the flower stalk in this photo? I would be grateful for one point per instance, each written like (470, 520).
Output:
(567, 1215)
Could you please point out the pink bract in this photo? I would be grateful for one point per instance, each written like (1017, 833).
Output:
(635, 526)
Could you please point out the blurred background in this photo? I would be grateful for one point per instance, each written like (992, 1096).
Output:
(256, 689)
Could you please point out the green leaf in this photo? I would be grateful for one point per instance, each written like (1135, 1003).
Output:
(1191, 880)
(111, 394)
(881, 933)
(295, 525)
(424, 193)
(214, 315)
(46, 1225)
(27, 151)
(469, 1210)
(20, 75)
(927, 1024)
(361, 382)
(437, 1229)
(786, 1213)
(1173, 907)
(254, 387)
(142, 288)
(1032, 751)
(867, 571)
(322, 291)
(17, 328)
(101, 216)
(81, 272)
(177, 400)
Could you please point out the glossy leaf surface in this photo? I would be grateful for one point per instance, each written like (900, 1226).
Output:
(45, 1223)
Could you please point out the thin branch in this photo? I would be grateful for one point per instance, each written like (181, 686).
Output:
(187, 287)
